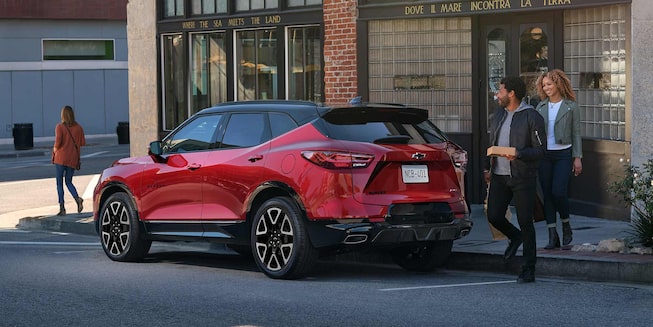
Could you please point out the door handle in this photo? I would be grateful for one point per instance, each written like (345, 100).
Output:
(255, 158)
(193, 166)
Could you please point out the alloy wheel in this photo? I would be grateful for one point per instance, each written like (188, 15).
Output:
(274, 239)
(115, 228)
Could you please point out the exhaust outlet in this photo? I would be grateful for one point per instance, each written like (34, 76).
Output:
(355, 239)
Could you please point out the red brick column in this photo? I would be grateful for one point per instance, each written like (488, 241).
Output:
(340, 74)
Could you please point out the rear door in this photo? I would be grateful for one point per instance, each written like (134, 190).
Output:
(235, 168)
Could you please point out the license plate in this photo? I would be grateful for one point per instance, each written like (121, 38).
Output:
(414, 174)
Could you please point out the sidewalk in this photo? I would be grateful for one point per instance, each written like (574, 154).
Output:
(476, 251)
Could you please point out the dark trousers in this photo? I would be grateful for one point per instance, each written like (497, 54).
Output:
(555, 172)
(503, 190)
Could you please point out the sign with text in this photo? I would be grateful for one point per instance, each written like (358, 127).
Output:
(443, 8)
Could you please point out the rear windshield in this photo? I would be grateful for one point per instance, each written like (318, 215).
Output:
(381, 126)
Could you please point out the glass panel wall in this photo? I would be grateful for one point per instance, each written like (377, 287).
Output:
(595, 61)
(256, 55)
(426, 63)
(174, 99)
(208, 70)
(305, 64)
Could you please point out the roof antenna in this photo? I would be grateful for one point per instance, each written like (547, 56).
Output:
(356, 101)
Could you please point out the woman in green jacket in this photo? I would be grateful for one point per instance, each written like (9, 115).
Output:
(564, 150)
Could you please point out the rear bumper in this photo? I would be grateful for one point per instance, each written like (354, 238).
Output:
(333, 234)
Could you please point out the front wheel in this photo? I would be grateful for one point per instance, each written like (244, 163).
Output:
(424, 257)
(119, 230)
(280, 243)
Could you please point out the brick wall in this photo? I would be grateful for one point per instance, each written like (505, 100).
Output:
(64, 9)
(340, 74)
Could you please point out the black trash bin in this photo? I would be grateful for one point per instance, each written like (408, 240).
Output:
(123, 132)
(23, 136)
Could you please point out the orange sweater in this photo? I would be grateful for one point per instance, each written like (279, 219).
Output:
(64, 152)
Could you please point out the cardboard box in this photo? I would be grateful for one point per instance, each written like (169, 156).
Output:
(501, 151)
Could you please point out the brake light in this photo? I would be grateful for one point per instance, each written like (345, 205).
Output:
(336, 160)
(458, 156)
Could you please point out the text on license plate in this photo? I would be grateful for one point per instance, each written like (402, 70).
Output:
(414, 174)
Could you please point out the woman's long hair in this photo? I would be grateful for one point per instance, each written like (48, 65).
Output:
(68, 116)
(561, 81)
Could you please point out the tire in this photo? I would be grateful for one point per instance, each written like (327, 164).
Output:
(425, 257)
(119, 230)
(280, 243)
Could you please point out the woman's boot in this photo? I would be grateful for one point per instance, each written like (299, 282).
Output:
(62, 210)
(80, 207)
(554, 240)
(566, 233)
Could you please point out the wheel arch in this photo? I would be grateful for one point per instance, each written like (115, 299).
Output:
(267, 191)
(108, 191)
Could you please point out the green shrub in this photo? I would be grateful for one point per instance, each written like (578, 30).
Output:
(636, 189)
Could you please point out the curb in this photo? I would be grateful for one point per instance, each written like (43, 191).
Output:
(72, 223)
(588, 266)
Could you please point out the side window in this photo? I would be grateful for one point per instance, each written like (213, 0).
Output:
(245, 130)
(196, 135)
(280, 124)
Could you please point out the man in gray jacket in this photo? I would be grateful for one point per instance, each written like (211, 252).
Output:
(513, 177)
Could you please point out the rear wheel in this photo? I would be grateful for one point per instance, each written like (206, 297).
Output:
(280, 242)
(424, 257)
(120, 230)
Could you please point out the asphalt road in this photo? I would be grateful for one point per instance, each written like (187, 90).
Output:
(50, 279)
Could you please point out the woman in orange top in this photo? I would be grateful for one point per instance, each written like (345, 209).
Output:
(69, 137)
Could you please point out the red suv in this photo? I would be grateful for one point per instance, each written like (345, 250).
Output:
(288, 181)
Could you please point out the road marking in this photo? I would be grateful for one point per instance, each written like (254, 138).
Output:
(445, 286)
(90, 187)
(94, 154)
(13, 230)
(71, 252)
(49, 243)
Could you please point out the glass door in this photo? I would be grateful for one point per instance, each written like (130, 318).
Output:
(522, 47)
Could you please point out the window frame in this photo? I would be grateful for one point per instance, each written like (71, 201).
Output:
(109, 51)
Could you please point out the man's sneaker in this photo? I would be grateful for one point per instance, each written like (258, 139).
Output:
(511, 250)
(527, 276)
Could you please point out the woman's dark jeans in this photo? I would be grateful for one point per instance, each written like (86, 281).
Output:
(555, 172)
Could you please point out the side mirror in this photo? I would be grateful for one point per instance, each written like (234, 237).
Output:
(155, 148)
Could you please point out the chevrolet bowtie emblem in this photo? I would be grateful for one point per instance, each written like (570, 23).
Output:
(418, 156)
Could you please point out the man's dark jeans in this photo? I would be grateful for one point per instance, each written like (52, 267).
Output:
(503, 190)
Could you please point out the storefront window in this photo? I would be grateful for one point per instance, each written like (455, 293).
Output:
(204, 7)
(305, 64)
(173, 8)
(209, 70)
(595, 61)
(301, 3)
(245, 5)
(175, 108)
(256, 55)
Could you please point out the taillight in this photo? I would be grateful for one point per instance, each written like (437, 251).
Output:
(335, 160)
(458, 156)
